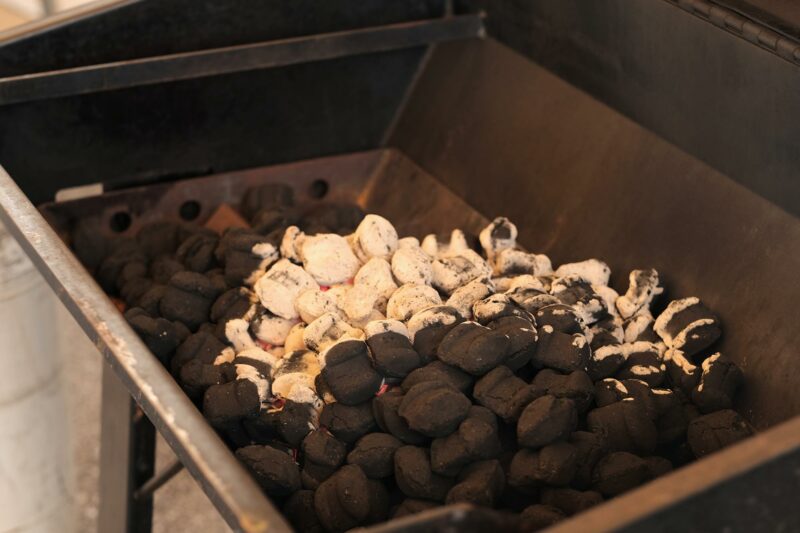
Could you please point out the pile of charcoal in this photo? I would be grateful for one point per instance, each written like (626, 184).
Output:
(361, 376)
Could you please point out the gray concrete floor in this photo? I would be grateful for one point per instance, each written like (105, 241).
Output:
(180, 505)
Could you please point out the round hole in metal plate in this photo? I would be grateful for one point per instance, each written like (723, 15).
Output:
(190, 210)
(120, 221)
(318, 189)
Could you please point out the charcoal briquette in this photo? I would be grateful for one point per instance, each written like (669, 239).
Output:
(162, 268)
(322, 448)
(709, 433)
(481, 483)
(161, 336)
(576, 386)
(348, 423)
(564, 352)
(657, 466)
(299, 510)
(545, 420)
(682, 373)
(411, 506)
(434, 409)
(560, 317)
(474, 348)
(429, 326)
(349, 373)
(188, 299)
(540, 516)
(718, 384)
(240, 260)
(374, 453)
(385, 408)
(133, 290)
(413, 474)
(274, 469)
(590, 448)
(645, 362)
(159, 238)
(477, 438)
(570, 501)
(608, 391)
(197, 252)
(201, 346)
(393, 354)
(497, 306)
(522, 334)
(619, 472)
(110, 268)
(688, 325)
(442, 372)
(606, 360)
(626, 425)
(503, 393)
(195, 377)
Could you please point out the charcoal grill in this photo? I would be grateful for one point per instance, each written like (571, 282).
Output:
(669, 159)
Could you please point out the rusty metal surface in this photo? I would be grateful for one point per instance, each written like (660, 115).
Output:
(582, 181)
(271, 54)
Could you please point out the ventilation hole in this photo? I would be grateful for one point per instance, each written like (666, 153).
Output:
(190, 210)
(318, 189)
(120, 221)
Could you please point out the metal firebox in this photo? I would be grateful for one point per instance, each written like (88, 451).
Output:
(412, 110)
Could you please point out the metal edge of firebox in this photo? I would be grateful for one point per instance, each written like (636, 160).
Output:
(269, 54)
(232, 490)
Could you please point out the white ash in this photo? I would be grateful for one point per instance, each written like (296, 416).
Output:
(294, 340)
(615, 330)
(643, 287)
(674, 307)
(373, 316)
(376, 275)
(407, 242)
(688, 332)
(313, 303)
(499, 235)
(490, 307)
(277, 351)
(251, 374)
(463, 298)
(298, 369)
(338, 294)
(609, 297)
(374, 237)
(442, 315)
(326, 330)
(376, 327)
(528, 281)
(291, 244)
(272, 329)
(594, 271)
(409, 299)
(510, 261)
(359, 302)
(329, 259)
(646, 370)
(617, 384)
(457, 244)
(637, 325)
(278, 289)
(257, 354)
(268, 254)
(451, 272)
(237, 331)
(225, 356)
(680, 360)
(412, 265)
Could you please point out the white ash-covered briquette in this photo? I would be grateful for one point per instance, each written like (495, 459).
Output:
(499, 235)
(687, 325)
(410, 299)
(280, 286)
(643, 287)
(639, 327)
(374, 237)
(453, 271)
(270, 329)
(295, 370)
(376, 277)
(264, 362)
(497, 306)
(510, 262)
(359, 303)
(644, 361)
(294, 340)
(593, 271)
(291, 244)
(410, 264)
(237, 331)
(467, 295)
(313, 303)
(329, 259)
(326, 330)
(436, 249)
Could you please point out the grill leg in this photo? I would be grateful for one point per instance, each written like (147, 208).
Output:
(127, 460)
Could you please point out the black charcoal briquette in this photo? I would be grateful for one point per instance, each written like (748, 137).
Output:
(274, 469)
(434, 409)
(545, 420)
(474, 348)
